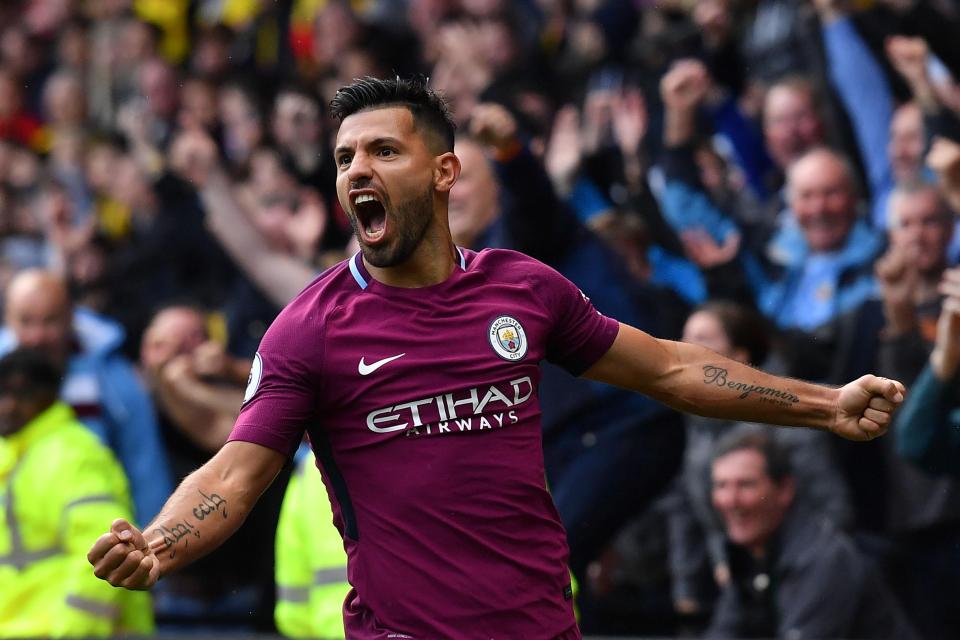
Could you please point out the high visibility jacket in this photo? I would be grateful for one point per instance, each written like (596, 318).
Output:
(311, 563)
(60, 488)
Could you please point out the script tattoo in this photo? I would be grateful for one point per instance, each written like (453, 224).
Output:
(211, 503)
(714, 375)
(174, 534)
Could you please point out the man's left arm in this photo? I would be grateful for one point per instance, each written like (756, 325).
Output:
(696, 380)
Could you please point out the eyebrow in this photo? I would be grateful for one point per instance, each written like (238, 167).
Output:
(372, 143)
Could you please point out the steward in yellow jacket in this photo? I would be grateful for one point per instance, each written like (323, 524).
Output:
(311, 563)
(58, 484)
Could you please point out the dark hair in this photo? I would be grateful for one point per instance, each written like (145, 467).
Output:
(748, 437)
(745, 327)
(37, 372)
(428, 107)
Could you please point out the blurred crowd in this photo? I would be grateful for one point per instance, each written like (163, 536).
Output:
(778, 180)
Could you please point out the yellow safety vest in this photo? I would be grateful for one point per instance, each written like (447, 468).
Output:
(59, 489)
(311, 563)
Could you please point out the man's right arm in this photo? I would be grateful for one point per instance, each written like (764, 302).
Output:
(205, 510)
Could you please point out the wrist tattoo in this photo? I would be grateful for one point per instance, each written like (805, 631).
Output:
(172, 535)
(714, 375)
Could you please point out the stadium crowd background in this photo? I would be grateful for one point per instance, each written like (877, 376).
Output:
(790, 168)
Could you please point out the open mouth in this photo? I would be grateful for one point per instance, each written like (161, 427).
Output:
(371, 216)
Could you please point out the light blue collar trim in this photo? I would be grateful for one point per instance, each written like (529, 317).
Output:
(355, 270)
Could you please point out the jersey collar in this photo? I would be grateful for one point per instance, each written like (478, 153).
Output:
(359, 271)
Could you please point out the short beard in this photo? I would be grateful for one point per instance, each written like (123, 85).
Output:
(411, 219)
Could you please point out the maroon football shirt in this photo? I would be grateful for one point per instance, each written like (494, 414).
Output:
(421, 405)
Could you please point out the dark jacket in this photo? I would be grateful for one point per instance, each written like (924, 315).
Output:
(813, 583)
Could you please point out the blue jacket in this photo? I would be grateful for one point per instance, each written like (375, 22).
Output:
(804, 299)
(109, 399)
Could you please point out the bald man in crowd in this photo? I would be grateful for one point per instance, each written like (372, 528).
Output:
(100, 383)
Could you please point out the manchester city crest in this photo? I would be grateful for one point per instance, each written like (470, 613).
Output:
(508, 338)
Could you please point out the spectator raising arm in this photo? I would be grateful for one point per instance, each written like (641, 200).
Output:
(863, 89)
(279, 276)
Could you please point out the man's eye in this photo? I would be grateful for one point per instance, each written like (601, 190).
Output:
(343, 161)
(386, 153)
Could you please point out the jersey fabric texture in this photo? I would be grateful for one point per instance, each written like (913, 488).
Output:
(421, 406)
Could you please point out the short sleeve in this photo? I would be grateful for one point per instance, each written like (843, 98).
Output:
(580, 334)
(280, 399)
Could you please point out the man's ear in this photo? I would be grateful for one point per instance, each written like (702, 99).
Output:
(446, 170)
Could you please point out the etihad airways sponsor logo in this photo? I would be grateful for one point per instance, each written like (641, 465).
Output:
(479, 407)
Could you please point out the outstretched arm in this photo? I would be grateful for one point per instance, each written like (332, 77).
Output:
(205, 510)
(278, 275)
(694, 379)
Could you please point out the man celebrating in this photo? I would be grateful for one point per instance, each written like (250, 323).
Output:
(414, 368)
(781, 559)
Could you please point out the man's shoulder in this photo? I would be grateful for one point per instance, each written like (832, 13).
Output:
(70, 442)
(811, 541)
(327, 291)
(509, 266)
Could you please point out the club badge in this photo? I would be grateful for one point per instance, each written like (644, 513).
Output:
(508, 338)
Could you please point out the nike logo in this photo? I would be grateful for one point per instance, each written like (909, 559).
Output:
(366, 369)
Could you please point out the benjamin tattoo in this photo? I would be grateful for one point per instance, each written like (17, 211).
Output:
(713, 375)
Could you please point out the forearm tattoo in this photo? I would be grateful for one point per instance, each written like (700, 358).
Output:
(714, 375)
(173, 534)
(211, 503)
(179, 533)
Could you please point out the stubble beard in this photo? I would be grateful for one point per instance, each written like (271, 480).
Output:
(410, 220)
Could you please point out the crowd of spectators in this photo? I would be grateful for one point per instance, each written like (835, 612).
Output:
(778, 180)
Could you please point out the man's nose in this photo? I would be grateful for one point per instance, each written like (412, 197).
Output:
(359, 171)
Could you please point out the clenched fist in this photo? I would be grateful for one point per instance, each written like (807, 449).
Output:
(123, 558)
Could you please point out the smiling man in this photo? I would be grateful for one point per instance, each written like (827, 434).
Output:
(414, 368)
(791, 575)
(826, 251)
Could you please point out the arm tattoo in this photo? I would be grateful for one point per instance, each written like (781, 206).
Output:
(211, 503)
(714, 375)
(173, 534)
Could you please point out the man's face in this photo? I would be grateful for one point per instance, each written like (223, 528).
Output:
(704, 328)
(16, 407)
(296, 121)
(906, 143)
(791, 125)
(751, 505)
(921, 229)
(172, 332)
(822, 200)
(385, 183)
(158, 84)
(41, 321)
(474, 199)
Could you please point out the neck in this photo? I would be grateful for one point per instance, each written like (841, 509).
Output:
(431, 263)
